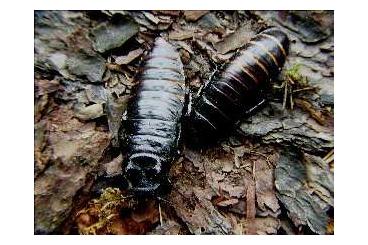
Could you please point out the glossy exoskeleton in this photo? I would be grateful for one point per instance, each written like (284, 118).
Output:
(152, 122)
(223, 101)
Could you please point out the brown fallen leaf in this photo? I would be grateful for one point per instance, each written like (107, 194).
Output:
(151, 17)
(193, 15)
(40, 106)
(185, 56)
(168, 12)
(307, 106)
(181, 34)
(228, 202)
(89, 112)
(212, 53)
(235, 40)
(266, 225)
(265, 190)
(114, 167)
(43, 86)
(126, 59)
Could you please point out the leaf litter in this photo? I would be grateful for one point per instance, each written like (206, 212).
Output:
(84, 76)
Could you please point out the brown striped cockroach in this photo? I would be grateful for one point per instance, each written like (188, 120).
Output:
(223, 101)
(151, 126)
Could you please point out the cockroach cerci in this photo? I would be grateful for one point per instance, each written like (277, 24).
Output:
(151, 127)
(223, 101)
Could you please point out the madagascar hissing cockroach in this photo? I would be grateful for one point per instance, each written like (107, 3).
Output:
(151, 126)
(223, 101)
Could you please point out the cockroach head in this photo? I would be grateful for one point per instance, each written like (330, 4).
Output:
(143, 172)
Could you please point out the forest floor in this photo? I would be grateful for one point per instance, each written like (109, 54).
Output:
(273, 175)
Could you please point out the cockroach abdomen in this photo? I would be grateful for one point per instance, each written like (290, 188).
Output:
(152, 123)
(224, 100)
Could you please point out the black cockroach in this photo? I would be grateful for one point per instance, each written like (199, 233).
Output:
(223, 101)
(151, 126)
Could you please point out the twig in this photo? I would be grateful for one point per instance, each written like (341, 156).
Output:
(303, 89)
(291, 80)
(329, 154)
(291, 99)
(159, 210)
(279, 87)
(330, 159)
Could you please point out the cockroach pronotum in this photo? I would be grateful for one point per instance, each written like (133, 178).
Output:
(223, 101)
(151, 126)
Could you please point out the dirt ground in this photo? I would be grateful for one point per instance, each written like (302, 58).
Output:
(272, 175)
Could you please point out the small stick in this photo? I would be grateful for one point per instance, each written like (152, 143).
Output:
(328, 155)
(291, 99)
(329, 159)
(291, 81)
(279, 87)
(159, 210)
(304, 89)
